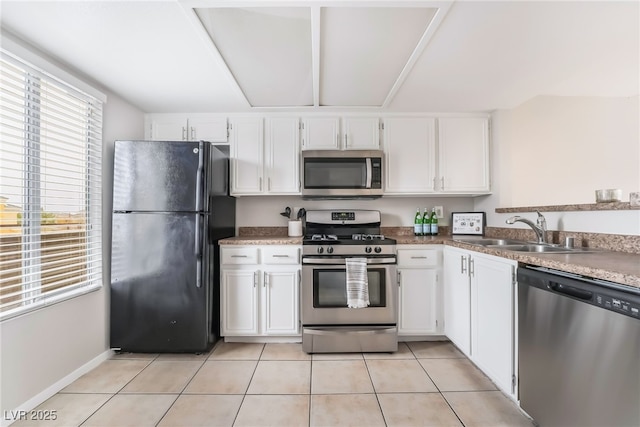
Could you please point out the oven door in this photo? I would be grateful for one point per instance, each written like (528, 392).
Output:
(341, 174)
(324, 293)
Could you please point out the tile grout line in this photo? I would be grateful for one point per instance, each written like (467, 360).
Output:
(181, 392)
(244, 395)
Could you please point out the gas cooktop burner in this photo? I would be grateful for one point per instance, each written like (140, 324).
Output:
(322, 237)
(367, 237)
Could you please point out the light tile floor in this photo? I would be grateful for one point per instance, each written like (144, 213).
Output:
(237, 384)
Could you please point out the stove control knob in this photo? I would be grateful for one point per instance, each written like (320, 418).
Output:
(320, 249)
(330, 250)
(378, 249)
(368, 249)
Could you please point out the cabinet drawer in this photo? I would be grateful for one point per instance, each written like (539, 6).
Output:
(418, 257)
(239, 256)
(280, 255)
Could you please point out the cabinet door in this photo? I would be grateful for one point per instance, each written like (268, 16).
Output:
(418, 298)
(321, 133)
(492, 317)
(282, 142)
(361, 133)
(169, 128)
(409, 147)
(463, 146)
(239, 301)
(246, 156)
(212, 129)
(280, 307)
(457, 299)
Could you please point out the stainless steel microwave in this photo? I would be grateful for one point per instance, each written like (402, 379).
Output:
(341, 174)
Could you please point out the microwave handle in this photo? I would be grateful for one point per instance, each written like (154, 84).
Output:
(369, 172)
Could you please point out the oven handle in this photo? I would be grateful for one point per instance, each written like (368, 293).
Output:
(343, 261)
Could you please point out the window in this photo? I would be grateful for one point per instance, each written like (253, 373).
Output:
(50, 188)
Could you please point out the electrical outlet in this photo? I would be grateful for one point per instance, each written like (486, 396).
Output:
(439, 211)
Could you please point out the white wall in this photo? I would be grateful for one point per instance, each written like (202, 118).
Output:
(43, 349)
(558, 151)
(396, 211)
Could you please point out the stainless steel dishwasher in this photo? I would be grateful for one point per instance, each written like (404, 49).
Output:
(579, 350)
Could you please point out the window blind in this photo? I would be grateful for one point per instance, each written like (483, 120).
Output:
(50, 188)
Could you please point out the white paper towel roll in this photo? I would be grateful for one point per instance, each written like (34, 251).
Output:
(295, 228)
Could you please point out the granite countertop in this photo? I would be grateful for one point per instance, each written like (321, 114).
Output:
(262, 240)
(618, 267)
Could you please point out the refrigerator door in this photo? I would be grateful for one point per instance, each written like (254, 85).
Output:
(161, 296)
(160, 176)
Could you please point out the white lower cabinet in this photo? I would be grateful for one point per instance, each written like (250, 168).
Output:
(280, 295)
(479, 304)
(457, 298)
(419, 296)
(260, 291)
(239, 297)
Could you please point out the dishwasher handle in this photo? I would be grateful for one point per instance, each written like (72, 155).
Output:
(571, 291)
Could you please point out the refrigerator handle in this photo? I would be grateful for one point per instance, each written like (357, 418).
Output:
(198, 244)
(199, 176)
(199, 273)
(198, 251)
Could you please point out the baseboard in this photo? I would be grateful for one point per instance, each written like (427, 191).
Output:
(45, 394)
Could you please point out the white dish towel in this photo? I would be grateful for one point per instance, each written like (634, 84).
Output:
(357, 283)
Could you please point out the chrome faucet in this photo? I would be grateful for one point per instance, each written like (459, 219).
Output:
(540, 228)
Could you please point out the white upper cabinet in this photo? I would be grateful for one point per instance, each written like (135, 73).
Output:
(326, 133)
(361, 133)
(247, 158)
(321, 133)
(265, 164)
(282, 155)
(463, 147)
(461, 165)
(180, 127)
(409, 155)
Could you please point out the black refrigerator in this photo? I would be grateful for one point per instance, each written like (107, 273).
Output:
(171, 205)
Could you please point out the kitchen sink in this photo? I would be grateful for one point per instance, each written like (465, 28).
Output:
(491, 242)
(531, 247)
(522, 246)
(541, 248)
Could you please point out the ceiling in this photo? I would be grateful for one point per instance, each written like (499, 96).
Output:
(378, 55)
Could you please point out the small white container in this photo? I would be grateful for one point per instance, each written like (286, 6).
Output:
(608, 195)
(295, 228)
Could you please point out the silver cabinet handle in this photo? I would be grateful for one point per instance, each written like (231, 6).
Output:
(238, 256)
(184, 133)
(442, 183)
(280, 256)
(193, 133)
(419, 257)
(346, 141)
(399, 278)
(260, 183)
(472, 269)
(255, 278)
(463, 264)
(265, 281)
(269, 183)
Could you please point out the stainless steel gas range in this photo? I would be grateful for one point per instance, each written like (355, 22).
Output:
(328, 324)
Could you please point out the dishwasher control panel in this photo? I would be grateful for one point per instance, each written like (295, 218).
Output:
(606, 295)
(618, 304)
